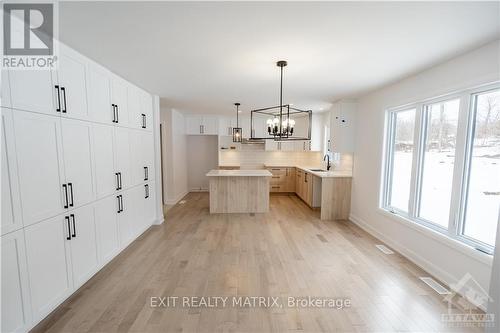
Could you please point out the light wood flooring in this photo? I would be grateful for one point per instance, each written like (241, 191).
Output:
(286, 252)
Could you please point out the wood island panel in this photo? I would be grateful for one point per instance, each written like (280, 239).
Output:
(239, 194)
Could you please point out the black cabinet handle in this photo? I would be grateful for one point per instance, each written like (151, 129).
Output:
(114, 113)
(69, 228)
(65, 188)
(120, 180)
(63, 89)
(143, 120)
(58, 98)
(117, 112)
(70, 186)
(121, 202)
(117, 181)
(74, 225)
(119, 205)
(145, 173)
(146, 191)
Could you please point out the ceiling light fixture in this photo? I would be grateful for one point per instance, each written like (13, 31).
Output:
(237, 131)
(281, 120)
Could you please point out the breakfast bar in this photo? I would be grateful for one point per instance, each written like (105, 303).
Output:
(239, 191)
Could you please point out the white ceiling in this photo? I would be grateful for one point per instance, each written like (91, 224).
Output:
(202, 57)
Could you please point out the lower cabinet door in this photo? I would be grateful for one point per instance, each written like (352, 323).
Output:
(83, 244)
(137, 195)
(105, 211)
(49, 274)
(126, 219)
(149, 205)
(16, 307)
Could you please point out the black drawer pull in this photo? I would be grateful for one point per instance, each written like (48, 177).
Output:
(69, 228)
(74, 225)
(63, 89)
(146, 190)
(114, 113)
(146, 173)
(119, 205)
(58, 98)
(65, 188)
(70, 186)
(143, 120)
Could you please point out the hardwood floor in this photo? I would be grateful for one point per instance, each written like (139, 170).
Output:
(286, 252)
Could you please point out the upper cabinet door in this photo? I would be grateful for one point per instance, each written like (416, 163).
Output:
(16, 311)
(103, 147)
(83, 244)
(49, 273)
(134, 107)
(107, 230)
(119, 99)
(122, 156)
(194, 125)
(40, 167)
(77, 138)
(35, 91)
(210, 125)
(72, 83)
(99, 92)
(11, 201)
(147, 110)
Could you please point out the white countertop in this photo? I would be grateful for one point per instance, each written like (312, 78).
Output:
(239, 173)
(320, 174)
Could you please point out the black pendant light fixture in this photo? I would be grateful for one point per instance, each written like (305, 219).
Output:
(281, 119)
(237, 131)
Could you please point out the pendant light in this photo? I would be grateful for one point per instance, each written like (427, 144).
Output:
(280, 124)
(237, 131)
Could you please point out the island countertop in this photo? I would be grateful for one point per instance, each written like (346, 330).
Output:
(239, 173)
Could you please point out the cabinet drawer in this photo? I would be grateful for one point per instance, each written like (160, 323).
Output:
(277, 171)
(278, 179)
(275, 188)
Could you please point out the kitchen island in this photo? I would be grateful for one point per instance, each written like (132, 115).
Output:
(239, 191)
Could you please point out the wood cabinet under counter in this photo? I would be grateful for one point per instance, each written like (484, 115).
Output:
(282, 179)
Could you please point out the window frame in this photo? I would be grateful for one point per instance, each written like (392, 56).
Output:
(462, 163)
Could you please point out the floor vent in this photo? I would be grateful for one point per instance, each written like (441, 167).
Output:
(182, 202)
(435, 285)
(384, 249)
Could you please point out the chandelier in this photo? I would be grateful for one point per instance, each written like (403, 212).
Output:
(237, 131)
(281, 120)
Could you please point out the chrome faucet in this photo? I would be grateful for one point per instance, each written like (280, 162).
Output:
(328, 165)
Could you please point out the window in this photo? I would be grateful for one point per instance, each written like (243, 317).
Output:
(483, 189)
(442, 165)
(438, 161)
(403, 127)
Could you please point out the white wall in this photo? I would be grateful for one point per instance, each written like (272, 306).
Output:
(175, 185)
(201, 158)
(448, 261)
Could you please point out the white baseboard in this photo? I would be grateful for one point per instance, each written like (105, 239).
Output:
(159, 220)
(418, 260)
(176, 199)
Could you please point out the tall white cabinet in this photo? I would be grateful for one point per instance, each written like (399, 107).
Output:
(78, 181)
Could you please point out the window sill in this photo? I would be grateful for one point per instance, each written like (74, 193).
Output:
(442, 238)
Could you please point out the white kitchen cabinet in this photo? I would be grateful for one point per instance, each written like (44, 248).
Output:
(35, 90)
(16, 303)
(77, 154)
(149, 204)
(226, 125)
(83, 244)
(122, 156)
(126, 217)
(142, 201)
(48, 264)
(198, 125)
(11, 201)
(259, 129)
(105, 211)
(40, 167)
(106, 180)
(272, 145)
(119, 101)
(317, 134)
(302, 145)
(71, 76)
(147, 111)
(342, 127)
(99, 94)
(134, 107)
(141, 156)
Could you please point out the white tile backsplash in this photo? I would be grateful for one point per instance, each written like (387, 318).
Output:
(311, 159)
